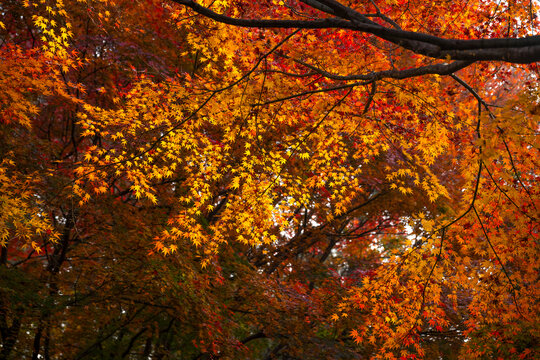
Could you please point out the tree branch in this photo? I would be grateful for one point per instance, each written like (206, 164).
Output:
(514, 50)
(437, 69)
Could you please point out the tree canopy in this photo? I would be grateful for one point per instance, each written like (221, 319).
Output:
(232, 179)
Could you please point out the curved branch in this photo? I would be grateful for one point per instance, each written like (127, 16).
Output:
(515, 50)
(436, 69)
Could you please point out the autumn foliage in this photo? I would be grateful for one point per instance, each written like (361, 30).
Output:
(269, 179)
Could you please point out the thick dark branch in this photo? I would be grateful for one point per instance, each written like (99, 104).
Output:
(266, 23)
(60, 250)
(345, 12)
(515, 50)
(317, 5)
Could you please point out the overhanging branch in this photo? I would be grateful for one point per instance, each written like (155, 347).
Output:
(514, 50)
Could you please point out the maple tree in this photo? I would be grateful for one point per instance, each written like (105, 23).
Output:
(269, 180)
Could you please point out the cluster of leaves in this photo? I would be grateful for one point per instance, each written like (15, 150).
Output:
(175, 186)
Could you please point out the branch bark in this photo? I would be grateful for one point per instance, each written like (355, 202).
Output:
(514, 50)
